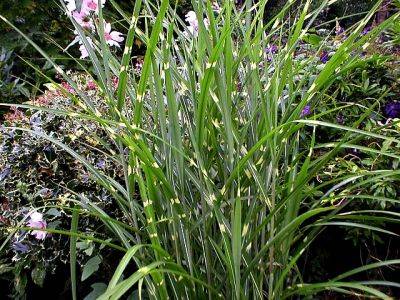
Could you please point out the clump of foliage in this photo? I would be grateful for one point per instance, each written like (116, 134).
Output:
(35, 17)
(42, 21)
(351, 10)
(36, 175)
(223, 184)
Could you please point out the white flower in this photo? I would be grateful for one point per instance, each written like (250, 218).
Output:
(71, 6)
(191, 18)
(206, 23)
(216, 7)
(193, 27)
(83, 49)
(36, 217)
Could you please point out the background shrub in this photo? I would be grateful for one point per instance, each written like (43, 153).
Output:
(35, 174)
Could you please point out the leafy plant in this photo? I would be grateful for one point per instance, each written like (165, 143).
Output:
(218, 146)
(36, 175)
(10, 87)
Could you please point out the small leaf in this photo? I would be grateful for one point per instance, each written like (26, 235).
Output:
(23, 90)
(51, 86)
(103, 245)
(312, 39)
(82, 245)
(54, 225)
(38, 275)
(54, 212)
(98, 289)
(90, 267)
(89, 250)
(5, 268)
(20, 283)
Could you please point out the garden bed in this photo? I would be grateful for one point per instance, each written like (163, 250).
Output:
(209, 151)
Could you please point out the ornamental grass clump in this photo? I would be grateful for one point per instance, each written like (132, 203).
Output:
(216, 142)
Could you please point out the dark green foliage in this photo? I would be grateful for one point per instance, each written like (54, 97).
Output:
(43, 22)
(352, 10)
(374, 80)
(339, 9)
(10, 86)
(39, 19)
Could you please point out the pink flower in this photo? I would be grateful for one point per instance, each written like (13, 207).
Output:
(83, 19)
(67, 86)
(113, 38)
(15, 115)
(91, 85)
(92, 5)
(115, 81)
(36, 221)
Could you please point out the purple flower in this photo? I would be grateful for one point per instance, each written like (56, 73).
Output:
(101, 164)
(5, 172)
(35, 120)
(366, 30)
(306, 111)
(85, 177)
(324, 57)
(45, 193)
(340, 119)
(363, 54)
(271, 50)
(19, 247)
(36, 221)
(16, 149)
(392, 109)
(339, 30)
